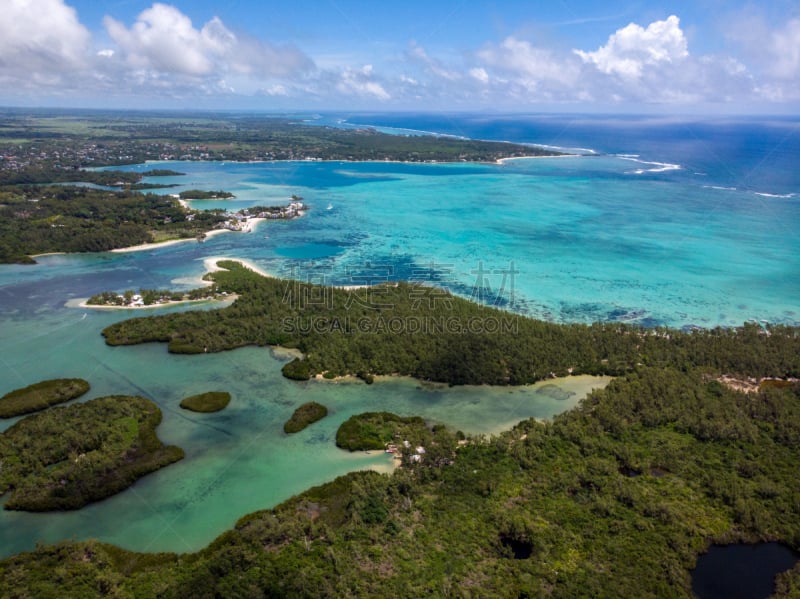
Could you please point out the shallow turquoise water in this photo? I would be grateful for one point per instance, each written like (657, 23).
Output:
(238, 460)
(587, 238)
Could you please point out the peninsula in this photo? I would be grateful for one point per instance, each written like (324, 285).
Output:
(388, 329)
(46, 161)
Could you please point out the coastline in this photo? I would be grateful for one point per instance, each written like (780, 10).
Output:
(250, 226)
(211, 265)
(374, 161)
(504, 160)
(82, 303)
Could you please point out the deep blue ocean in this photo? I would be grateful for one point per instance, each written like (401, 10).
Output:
(760, 154)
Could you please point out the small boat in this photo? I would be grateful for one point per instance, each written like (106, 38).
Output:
(330, 207)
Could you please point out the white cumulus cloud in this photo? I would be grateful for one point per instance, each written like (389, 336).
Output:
(638, 64)
(784, 47)
(45, 51)
(533, 65)
(42, 42)
(432, 66)
(479, 74)
(633, 48)
(164, 40)
(361, 82)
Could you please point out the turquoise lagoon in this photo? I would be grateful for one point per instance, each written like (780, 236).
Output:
(238, 460)
(567, 239)
(587, 238)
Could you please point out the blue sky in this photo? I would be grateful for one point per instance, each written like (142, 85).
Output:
(561, 55)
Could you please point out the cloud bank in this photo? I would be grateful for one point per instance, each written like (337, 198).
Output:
(46, 52)
(41, 43)
(164, 40)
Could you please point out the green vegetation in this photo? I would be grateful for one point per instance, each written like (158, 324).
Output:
(67, 457)
(198, 194)
(616, 498)
(150, 297)
(211, 401)
(70, 141)
(38, 220)
(373, 430)
(304, 416)
(161, 172)
(462, 342)
(40, 396)
(42, 150)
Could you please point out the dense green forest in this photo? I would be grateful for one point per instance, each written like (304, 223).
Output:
(197, 194)
(616, 498)
(66, 457)
(306, 415)
(374, 430)
(40, 396)
(388, 329)
(38, 220)
(44, 174)
(211, 401)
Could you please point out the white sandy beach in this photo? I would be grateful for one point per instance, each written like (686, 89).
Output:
(249, 226)
(504, 160)
(211, 265)
(82, 303)
(151, 246)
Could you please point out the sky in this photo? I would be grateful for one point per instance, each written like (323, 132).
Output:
(714, 56)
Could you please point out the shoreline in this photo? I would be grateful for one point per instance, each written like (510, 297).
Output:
(211, 265)
(83, 304)
(504, 160)
(161, 244)
(374, 161)
(249, 227)
(438, 385)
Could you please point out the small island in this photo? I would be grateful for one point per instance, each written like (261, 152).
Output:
(433, 340)
(67, 457)
(199, 194)
(41, 396)
(304, 416)
(211, 401)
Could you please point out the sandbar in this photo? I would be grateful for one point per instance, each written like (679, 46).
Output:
(211, 265)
